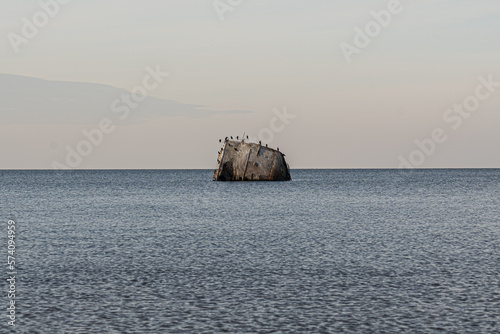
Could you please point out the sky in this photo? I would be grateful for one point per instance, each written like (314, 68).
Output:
(155, 84)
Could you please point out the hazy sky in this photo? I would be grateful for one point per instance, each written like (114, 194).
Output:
(227, 77)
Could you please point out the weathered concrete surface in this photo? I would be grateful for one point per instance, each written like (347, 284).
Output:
(240, 161)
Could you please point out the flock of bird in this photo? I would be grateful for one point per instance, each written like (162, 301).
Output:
(237, 138)
(227, 138)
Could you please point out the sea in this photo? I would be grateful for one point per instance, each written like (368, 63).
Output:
(333, 251)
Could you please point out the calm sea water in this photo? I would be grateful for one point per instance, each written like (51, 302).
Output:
(333, 251)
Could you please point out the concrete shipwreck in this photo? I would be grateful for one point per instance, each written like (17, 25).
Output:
(240, 161)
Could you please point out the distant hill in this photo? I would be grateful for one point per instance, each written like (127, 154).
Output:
(29, 100)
